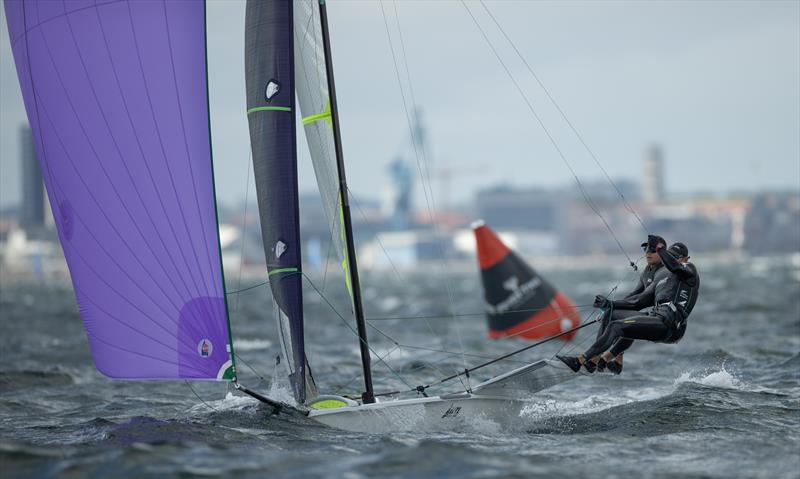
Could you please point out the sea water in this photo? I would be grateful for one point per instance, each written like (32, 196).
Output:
(724, 402)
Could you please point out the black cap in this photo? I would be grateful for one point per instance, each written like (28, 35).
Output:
(679, 249)
(658, 239)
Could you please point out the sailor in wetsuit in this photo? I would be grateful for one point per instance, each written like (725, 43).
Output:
(673, 297)
(654, 265)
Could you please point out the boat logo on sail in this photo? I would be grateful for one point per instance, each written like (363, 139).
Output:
(518, 293)
(280, 248)
(273, 87)
(205, 348)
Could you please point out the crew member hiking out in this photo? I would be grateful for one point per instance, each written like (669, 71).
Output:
(674, 296)
(654, 266)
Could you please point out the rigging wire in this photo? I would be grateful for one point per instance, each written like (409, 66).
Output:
(247, 289)
(244, 229)
(430, 202)
(482, 313)
(433, 316)
(344, 321)
(628, 206)
(550, 137)
(377, 236)
(198, 397)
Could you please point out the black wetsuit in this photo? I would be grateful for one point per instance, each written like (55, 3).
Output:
(673, 294)
(645, 280)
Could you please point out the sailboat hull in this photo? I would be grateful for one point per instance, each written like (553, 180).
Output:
(424, 414)
(496, 403)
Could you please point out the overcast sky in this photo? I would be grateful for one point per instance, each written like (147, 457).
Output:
(716, 83)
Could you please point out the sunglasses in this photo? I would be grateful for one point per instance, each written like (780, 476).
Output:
(648, 249)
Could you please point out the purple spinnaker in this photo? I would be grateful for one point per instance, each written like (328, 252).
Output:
(116, 95)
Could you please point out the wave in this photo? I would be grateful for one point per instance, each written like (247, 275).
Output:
(14, 380)
(641, 406)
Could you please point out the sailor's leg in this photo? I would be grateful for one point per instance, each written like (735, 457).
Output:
(622, 344)
(647, 327)
(604, 319)
(604, 342)
(651, 328)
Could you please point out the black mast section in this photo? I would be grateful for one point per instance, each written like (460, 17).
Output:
(368, 396)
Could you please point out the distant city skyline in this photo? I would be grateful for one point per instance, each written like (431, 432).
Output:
(716, 84)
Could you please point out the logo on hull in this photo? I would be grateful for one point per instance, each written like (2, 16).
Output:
(452, 412)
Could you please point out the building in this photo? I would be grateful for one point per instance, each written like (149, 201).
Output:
(33, 211)
(507, 208)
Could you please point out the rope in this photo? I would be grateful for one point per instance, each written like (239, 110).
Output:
(564, 116)
(430, 202)
(255, 371)
(377, 237)
(198, 397)
(244, 229)
(340, 388)
(468, 371)
(355, 333)
(482, 313)
(246, 289)
(584, 193)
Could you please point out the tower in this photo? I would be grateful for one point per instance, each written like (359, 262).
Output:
(653, 179)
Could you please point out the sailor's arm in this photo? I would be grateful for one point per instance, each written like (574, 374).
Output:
(639, 287)
(681, 270)
(639, 301)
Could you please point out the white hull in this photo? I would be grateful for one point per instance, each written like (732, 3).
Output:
(494, 403)
(423, 414)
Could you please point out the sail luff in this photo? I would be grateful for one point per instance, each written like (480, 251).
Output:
(368, 395)
(232, 351)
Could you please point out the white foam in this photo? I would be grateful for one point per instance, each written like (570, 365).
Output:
(252, 344)
(279, 388)
(228, 403)
(722, 379)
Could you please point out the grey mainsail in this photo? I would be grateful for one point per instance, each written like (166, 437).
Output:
(269, 74)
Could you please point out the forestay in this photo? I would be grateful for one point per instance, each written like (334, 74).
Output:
(116, 95)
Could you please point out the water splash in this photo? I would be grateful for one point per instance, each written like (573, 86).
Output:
(722, 378)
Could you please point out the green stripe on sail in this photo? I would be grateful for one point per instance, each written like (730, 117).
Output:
(269, 108)
(282, 270)
(325, 115)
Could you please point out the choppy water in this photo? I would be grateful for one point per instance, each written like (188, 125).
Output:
(725, 402)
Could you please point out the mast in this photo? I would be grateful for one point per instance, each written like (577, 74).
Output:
(368, 395)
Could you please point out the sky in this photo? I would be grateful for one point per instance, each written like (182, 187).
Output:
(715, 83)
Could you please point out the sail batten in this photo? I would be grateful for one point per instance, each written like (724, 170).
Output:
(124, 148)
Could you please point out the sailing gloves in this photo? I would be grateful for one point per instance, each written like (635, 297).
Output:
(602, 302)
(655, 243)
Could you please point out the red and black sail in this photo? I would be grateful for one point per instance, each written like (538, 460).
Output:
(519, 302)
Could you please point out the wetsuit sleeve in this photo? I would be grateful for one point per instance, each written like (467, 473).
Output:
(639, 301)
(681, 270)
(639, 287)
